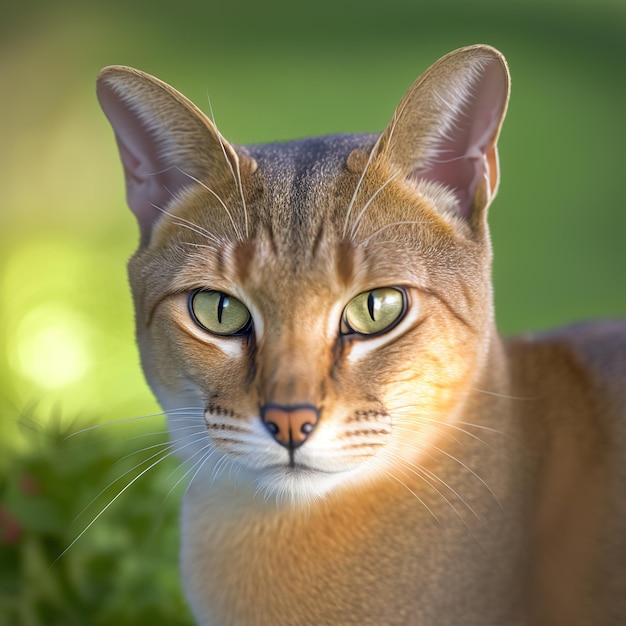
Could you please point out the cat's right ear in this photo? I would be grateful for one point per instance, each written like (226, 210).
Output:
(445, 129)
(165, 142)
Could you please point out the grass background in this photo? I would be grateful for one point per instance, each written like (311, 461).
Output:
(273, 70)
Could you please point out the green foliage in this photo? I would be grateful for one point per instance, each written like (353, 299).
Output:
(123, 570)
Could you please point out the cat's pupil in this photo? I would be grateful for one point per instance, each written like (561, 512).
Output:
(370, 305)
(223, 303)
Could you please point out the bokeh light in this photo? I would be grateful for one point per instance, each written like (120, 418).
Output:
(51, 347)
(48, 346)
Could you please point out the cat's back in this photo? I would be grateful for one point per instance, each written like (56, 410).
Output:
(572, 385)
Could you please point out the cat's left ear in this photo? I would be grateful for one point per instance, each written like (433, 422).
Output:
(446, 127)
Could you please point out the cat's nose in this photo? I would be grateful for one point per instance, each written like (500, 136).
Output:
(291, 426)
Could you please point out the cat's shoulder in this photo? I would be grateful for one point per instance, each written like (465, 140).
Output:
(585, 356)
(599, 345)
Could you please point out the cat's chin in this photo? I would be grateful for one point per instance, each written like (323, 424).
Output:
(297, 485)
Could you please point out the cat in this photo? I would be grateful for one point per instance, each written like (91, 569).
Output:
(316, 317)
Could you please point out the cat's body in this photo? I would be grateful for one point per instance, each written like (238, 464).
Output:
(410, 467)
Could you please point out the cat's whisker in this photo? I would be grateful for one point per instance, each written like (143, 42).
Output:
(453, 458)
(226, 466)
(118, 421)
(504, 395)
(421, 473)
(119, 478)
(175, 419)
(212, 451)
(194, 430)
(236, 177)
(216, 470)
(443, 482)
(276, 493)
(357, 222)
(218, 198)
(256, 491)
(370, 158)
(200, 462)
(161, 444)
(262, 487)
(188, 440)
(358, 185)
(442, 427)
(456, 426)
(165, 446)
(193, 417)
(204, 246)
(192, 414)
(430, 427)
(489, 429)
(279, 495)
(265, 488)
(186, 416)
(416, 496)
(238, 469)
(178, 409)
(200, 432)
(397, 413)
(419, 447)
(177, 221)
(200, 248)
(452, 160)
(113, 500)
(243, 197)
(366, 241)
(185, 223)
(185, 422)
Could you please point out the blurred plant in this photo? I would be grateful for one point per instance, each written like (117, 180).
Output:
(123, 569)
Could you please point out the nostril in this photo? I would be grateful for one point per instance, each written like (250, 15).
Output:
(273, 428)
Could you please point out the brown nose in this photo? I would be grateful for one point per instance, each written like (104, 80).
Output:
(290, 425)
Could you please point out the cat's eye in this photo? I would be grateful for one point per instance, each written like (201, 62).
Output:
(374, 312)
(219, 313)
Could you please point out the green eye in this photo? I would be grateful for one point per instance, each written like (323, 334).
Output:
(374, 312)
(219, 313)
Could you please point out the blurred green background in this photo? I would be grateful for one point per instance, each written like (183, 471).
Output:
(273, 70)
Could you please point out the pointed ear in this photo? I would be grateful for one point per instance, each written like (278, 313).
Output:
(165, 142)
(445, 128)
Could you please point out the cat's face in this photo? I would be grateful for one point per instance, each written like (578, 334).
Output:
(310, 313)
(301, 332)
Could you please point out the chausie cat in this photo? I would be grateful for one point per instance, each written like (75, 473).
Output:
(316, 317)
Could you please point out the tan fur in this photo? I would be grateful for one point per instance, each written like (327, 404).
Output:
(460, 479)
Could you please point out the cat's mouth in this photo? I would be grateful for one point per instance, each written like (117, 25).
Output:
(295, 467)
(297, 482)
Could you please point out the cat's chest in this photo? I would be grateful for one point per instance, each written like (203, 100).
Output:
(241, 555)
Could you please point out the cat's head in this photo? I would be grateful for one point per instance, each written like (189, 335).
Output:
(309, 312)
